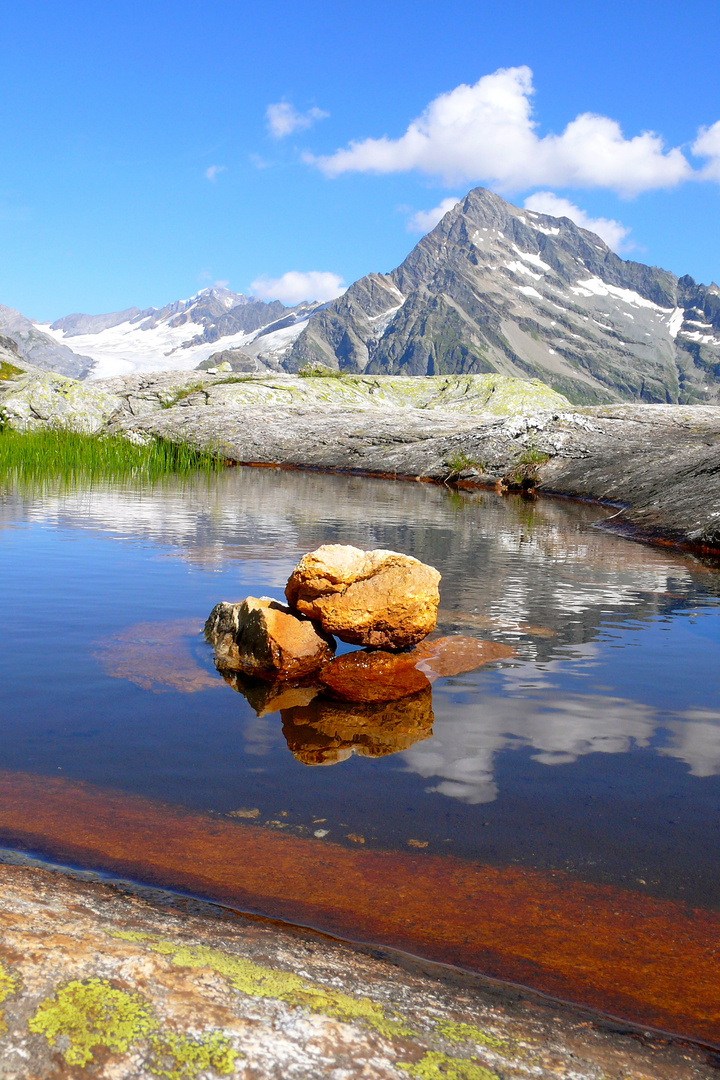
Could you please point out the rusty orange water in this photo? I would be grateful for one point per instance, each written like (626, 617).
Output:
(650, 961)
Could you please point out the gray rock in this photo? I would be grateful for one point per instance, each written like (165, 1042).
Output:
(231, 360)
(32, 401)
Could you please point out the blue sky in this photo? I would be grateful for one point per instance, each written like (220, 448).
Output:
(140, 162)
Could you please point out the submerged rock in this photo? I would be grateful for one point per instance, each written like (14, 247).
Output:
(456, 655)
(156, 656)
(327, 732)
(379, 598)
(388, 676)
(262, 637)
(372, 676)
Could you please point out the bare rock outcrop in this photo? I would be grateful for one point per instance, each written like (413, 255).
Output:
(30, 401)
(379, 598)
(263, 638)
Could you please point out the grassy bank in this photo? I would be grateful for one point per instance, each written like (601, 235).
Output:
(67, 454)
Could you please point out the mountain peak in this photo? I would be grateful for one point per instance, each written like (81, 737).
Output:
(496, 288)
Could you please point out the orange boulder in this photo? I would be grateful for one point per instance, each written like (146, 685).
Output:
(372, 676)
(381, 599)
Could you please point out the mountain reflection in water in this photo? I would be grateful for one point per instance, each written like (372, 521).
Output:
(589, 746)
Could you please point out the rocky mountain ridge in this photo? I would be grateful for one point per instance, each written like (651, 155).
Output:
(491, 289)
(496, 288)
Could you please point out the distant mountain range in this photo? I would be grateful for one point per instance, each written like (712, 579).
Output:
(490, 288)
(178, 336)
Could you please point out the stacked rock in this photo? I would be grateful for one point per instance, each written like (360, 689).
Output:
(373, 701)
(380, 599)
(262, 637)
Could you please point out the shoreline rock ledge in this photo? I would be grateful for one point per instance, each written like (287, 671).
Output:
(380, 599)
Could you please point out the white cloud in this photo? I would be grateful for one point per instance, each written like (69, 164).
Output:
(212, 172)
(486, 133)
(425, 220)
(205, 277)
(612, 232)
(295, 286)
(283, 118)
(463, 752)
(707, 145)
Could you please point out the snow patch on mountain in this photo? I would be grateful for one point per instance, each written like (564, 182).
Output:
(181, 335)
(595, 286)
(675, 322)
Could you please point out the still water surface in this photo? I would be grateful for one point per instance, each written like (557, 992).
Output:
(593, 752)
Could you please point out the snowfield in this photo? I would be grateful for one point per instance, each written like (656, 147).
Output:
(126, 348)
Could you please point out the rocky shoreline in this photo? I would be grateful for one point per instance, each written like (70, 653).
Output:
(185, 989)
(657, 465)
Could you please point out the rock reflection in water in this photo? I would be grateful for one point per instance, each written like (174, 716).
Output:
(368, 703)
(269, 697)
(322, 731)
(326, 732)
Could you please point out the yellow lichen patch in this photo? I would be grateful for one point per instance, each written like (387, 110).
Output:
(255, 980)
(437, 1066)
(92, 1014)
(179, 1057)
(8, 985)
(468, 1033)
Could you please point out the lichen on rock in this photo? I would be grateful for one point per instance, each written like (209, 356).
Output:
(259, 981)
(182, 1057)
(438, 1066)
(86, 1015)
(35, 401)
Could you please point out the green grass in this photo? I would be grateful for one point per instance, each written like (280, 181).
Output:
(67, 454)
(525, 473)
(458, 463)
(9, 371)
(186, 392)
